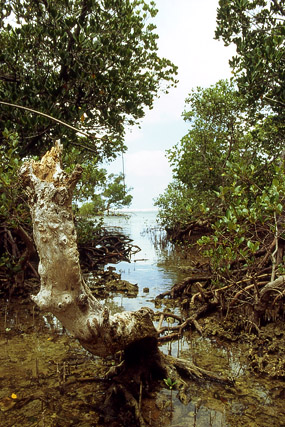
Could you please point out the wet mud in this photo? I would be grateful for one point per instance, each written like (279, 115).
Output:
(47, 379)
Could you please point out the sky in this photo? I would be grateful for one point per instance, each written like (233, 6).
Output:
(186, 37)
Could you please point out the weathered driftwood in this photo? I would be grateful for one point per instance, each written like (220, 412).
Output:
(63, 291)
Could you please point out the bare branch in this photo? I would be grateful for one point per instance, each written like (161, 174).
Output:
(49, 117)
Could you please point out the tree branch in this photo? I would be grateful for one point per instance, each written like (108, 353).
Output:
(49, 117)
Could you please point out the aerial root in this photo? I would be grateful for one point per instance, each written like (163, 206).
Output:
(177, 330)
(178, 369)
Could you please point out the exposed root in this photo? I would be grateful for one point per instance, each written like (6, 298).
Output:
(277, 285)
(118, 396)
(105, 245)
(136, 376)
(244, 290)
(184, 287)
(182, 370)
(177, 330)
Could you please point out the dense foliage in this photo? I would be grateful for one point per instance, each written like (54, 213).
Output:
(90, 64)
(93, 65)
(228, 175)
(219, 133)
(16, 244)
(113, 195)
(229, 169)
(215, 135)
(256, 27)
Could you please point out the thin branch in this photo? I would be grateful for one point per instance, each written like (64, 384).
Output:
(279, 7)
(49, 117)
(275, 101)
(273, 255)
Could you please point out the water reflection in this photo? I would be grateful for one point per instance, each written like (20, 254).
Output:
(148, 268)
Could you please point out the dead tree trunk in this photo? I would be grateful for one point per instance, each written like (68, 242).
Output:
(63, 291)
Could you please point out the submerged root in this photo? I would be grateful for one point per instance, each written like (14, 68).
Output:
(140, 374)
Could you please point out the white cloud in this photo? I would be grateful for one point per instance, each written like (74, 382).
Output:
(186, 36)
(186, 30)
(148, 172)
(147, 163)
(133, 134)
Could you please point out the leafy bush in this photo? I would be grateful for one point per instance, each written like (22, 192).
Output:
(253, 216)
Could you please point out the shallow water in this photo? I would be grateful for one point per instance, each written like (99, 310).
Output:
(36, 356)
(158, 268)
(155, 267)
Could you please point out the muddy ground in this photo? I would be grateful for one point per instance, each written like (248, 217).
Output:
(47, 379)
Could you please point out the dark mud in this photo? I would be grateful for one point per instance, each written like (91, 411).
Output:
(264, 345)
(47, 379)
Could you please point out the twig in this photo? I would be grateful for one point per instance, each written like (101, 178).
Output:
(47, 116)
(191, 320)
(267, 255)
(273, 256)
(245, 290)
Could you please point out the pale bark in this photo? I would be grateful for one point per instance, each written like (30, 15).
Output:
(63, 291)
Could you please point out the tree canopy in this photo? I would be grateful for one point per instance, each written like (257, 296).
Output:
(92, 64)
(216, 132)
(233, 153)
(112, 194)
(228, 176)
(219, 133)
(256, 27)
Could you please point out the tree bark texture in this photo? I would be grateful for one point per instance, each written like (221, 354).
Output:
(63, 290)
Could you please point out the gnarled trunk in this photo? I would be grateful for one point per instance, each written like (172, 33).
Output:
(63, 291)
